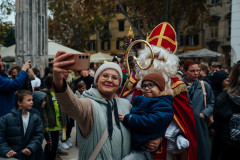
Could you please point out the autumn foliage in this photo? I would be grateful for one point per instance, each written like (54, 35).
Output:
(73, 22)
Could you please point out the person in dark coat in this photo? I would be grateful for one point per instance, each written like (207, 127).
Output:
(54, 120)
(39, 104)
(85, 77)
(226, 114)
(47, 71)
(27, 85)
(21, 130)
(219, 81)
(115, 60)
(151, 113)
(196, 100)
(8, 87)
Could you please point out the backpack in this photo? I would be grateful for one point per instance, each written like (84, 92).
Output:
(234, 127)
(231, 131)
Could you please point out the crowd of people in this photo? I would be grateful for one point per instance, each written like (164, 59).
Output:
(173, 110)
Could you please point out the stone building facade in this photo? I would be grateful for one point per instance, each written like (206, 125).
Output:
(111, 39)
(213, 33)
(218, 30)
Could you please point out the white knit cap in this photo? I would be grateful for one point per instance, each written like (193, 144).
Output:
(108, 65)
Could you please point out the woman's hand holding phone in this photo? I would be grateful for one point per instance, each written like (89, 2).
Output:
(59, 63)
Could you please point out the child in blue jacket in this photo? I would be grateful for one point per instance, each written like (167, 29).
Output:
(151, 113)
(21, 130)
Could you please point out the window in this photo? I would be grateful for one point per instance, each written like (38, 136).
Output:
(106, 27)
(192, 40)
(180, 40)
(214, 31)
(213, 26)
(91, 45)
(213, 2)
(121, 25)
(139, 24)
(213, 48)
(120, 44)
(105, 45)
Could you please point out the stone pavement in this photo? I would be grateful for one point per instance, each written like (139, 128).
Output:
(73, 151)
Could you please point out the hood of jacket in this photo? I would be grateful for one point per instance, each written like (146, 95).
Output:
(217, 79)
(95, 95)
(235, 99)
(38, 98)
(15, 111)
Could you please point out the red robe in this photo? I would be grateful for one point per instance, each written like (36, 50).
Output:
(184, 117)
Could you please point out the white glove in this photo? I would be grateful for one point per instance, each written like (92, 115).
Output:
(182, 143)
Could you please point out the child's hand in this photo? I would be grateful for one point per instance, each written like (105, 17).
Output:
(153, 144)
(121, 116)
(26, 152)
(11, 154)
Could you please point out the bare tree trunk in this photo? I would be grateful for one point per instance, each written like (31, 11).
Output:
(130, 21)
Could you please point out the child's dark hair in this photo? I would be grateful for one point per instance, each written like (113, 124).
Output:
(81, 84)
(19, 95)
(18, 68)
(36, 71)
(49, 81)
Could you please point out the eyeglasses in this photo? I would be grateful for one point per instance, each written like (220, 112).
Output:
(149, 85)
(114, 78)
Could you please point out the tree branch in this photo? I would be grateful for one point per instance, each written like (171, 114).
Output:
(129, 20)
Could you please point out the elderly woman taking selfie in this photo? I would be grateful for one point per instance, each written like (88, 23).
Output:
(96, 112)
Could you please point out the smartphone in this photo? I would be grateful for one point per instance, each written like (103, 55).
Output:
(82, 62)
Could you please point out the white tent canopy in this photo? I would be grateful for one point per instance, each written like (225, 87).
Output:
(200, 53)
(53, 48)
(100, 57)
(8, 52)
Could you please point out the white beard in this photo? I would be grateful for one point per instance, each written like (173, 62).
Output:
(165, 63)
